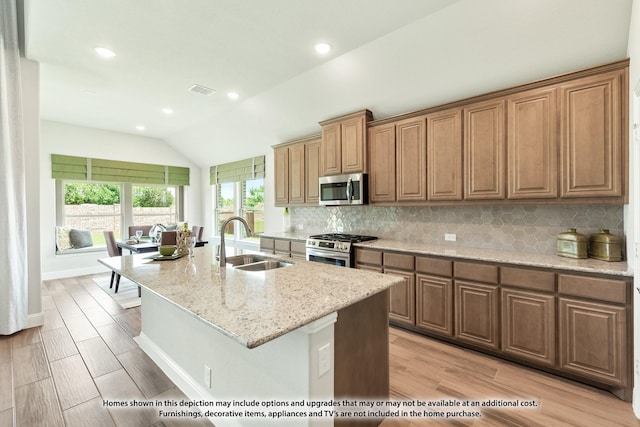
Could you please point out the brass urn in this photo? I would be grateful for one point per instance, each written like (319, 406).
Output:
(572, 244)
(605, 246)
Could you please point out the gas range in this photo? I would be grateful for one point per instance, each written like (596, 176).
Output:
(334, 248)
(336, 241)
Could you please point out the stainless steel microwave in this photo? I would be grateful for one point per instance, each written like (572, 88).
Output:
(351, 189)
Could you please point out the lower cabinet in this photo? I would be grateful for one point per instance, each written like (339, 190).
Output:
(402, 298)
(593, 340)
(476, 314)
(528, 326)
(434, 304)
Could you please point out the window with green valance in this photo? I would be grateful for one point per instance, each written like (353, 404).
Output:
(239, 171)
(87, 169)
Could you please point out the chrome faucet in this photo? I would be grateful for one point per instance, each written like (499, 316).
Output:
(223, 256)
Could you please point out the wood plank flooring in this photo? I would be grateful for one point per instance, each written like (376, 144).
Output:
(60, 373)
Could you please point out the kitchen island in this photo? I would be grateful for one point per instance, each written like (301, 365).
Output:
(301, 333)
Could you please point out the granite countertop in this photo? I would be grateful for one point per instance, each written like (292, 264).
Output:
(531, 259)
(251, 307)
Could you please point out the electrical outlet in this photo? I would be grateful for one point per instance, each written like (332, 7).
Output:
(300, 227)
(450, 237)
(324, 359)
(207, 376)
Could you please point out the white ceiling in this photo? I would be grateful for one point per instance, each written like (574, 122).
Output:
(390, 56)
(165, 46)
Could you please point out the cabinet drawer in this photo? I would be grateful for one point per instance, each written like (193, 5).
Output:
(298, 247)
(283, 246)
(593, 287)
(528, 279)
(266, 245)
(439, 267)
(400, 261)
(476, 272)
(367, 256)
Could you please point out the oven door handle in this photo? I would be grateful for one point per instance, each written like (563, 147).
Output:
(328, 254)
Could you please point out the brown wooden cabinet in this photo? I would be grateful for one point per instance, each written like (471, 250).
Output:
(532, 136)
(444, 155)
(528, 325)
(296, 174)
(343, 144)
(312, 171)
(411, 160)
(476, 309)
(484, 150)
(296, 171)
(402, 297)
(434, 304)
(382, 163)
(591, 135)
(593, 328)
(281, 172)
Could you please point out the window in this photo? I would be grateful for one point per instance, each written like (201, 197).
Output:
(92, 206)
(238, 190)
(154, 205)
(244, 199)
(114, 206)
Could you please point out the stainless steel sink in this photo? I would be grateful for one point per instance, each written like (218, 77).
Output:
(244, 259)
(264, 265)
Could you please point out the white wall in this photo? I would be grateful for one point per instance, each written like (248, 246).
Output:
(59, 138)
(31, 118)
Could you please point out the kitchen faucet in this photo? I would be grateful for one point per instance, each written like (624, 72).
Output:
(223, 256)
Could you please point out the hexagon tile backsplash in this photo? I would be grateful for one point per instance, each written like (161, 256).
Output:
(530, 228)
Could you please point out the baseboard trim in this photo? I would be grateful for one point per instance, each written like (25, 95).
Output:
(35, 319)
(75, 272)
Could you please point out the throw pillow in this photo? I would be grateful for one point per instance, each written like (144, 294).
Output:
(80, 238)
(63, 242)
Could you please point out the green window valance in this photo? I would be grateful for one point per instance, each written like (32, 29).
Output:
(241, 170)
(87, 169)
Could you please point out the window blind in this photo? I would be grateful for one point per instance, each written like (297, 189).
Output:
(85, 169)
(241, 170)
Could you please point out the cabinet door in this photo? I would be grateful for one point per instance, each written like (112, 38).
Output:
(444, 155)
(331, 150)
(353, 144)
(591, 116)
(593, 340)
(434, 304)
(281, 172)
(411, 160)
(312, 167)
(484, 147)
(476, 314)
(402, 298)
(532, 145)
(382, 163)
(528, 326)
(296, 174)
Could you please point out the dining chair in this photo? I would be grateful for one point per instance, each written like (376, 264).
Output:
(144, 228)
(168, 238)
(112, 250)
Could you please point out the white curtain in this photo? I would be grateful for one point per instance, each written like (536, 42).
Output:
(13, 214)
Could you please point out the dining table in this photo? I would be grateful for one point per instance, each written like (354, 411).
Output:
(140, 246)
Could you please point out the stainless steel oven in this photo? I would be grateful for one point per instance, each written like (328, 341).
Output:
(334, 249)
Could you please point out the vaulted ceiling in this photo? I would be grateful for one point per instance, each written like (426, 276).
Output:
(389, 56)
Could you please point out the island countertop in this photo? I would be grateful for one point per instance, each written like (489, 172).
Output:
(251, 307)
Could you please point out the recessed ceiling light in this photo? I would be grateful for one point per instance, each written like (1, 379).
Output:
(140, 128)
(104, 52)
(322, 48)
(90, 92)
(233, 95)
(167, 110)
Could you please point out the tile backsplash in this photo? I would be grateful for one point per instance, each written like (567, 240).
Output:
(528, 228)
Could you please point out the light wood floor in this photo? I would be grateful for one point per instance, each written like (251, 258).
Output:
(60, 373)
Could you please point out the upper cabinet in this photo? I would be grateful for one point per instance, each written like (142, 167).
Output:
(532, 144)
(484, 150)
(342, 148)
(556, 141)
(296, 172)
(591, 135)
